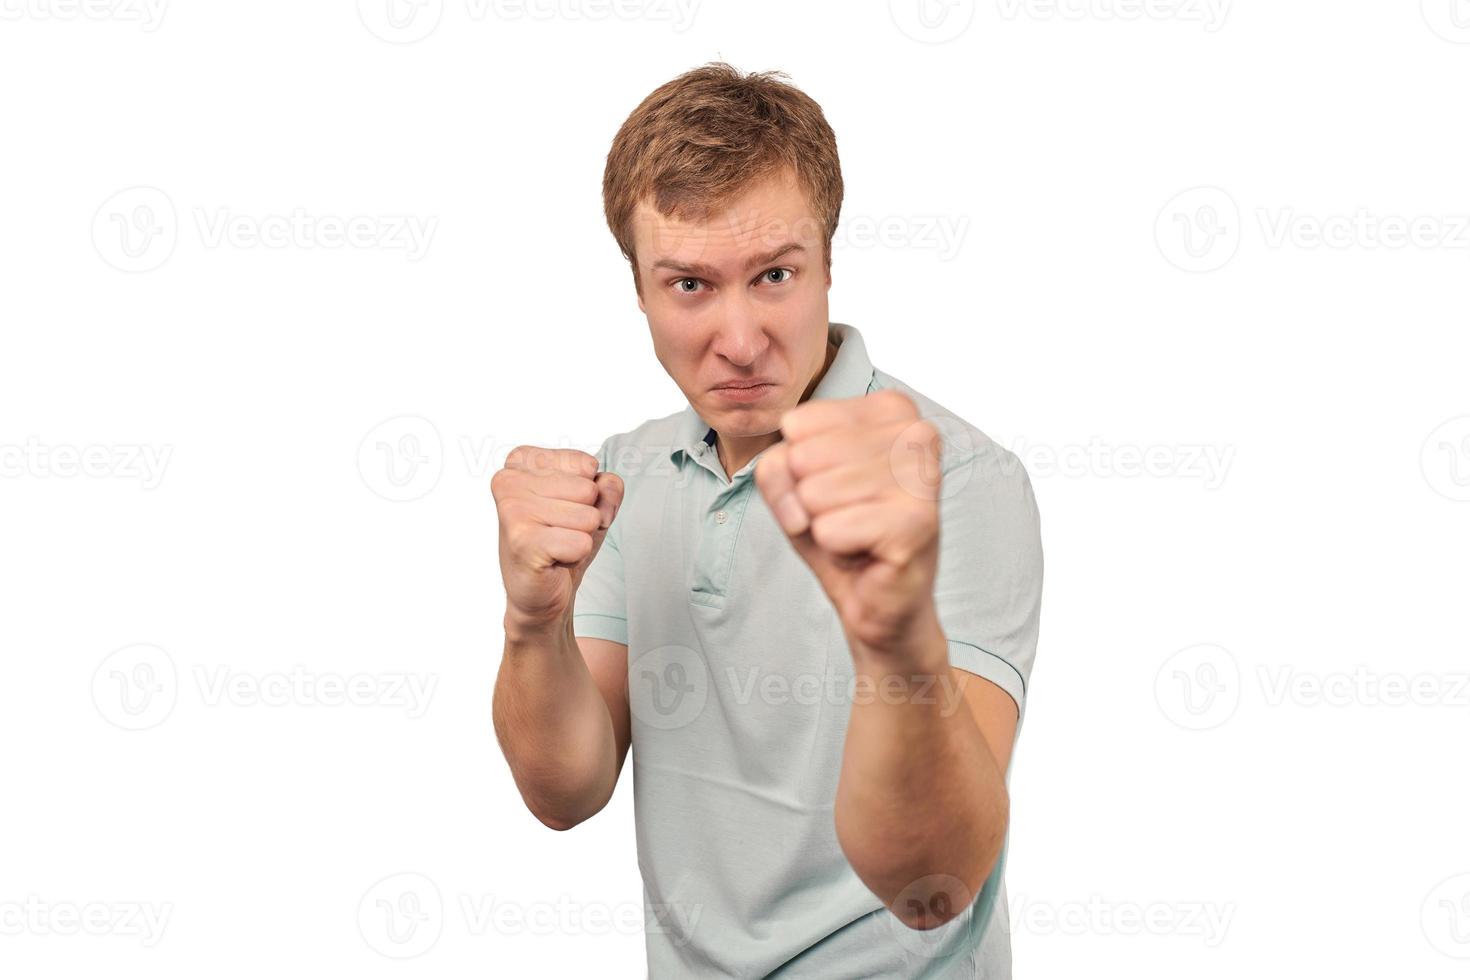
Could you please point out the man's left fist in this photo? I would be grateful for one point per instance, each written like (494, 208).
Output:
(855, 484)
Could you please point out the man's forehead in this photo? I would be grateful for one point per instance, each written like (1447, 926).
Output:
(748, 225)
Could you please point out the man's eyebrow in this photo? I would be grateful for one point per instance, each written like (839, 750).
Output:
(708, 272)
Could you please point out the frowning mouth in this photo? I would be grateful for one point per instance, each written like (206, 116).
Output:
(744, 391)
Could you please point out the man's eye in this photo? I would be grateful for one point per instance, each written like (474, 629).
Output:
(679, 284)
(767, 274)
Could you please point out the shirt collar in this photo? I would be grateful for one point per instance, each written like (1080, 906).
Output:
(848, 376)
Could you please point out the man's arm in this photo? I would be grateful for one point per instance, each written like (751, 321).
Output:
(922, 806)
(560, 709)
(561, 716)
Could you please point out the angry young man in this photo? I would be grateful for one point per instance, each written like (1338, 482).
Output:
(808, 600)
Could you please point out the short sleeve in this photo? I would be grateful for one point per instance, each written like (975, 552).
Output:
(600, 607)
(988, 586)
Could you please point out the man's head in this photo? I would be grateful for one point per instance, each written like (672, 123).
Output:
(723, 193)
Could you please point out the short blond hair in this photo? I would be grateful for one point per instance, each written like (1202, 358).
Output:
(699, 140)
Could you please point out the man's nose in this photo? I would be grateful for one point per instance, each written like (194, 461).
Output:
(742, 337)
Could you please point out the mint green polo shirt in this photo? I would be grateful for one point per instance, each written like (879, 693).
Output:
(740, 686)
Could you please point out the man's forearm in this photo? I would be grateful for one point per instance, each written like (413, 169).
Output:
(921, 806)
(553, 726)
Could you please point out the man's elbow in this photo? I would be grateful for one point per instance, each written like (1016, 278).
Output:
(934, 899)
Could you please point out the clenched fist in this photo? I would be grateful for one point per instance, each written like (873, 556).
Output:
(855, 484)
(555, 509)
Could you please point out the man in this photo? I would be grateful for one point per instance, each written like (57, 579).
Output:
(809, 601)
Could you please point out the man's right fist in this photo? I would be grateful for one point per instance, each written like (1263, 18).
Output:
(555, 509)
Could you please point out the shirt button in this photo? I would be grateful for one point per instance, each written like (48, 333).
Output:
(721, 517)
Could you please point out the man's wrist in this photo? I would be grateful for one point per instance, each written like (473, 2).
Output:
(921, 648)
(522, 630)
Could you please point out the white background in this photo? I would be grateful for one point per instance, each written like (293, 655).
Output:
(1131, 273)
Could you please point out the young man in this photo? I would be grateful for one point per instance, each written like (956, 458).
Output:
(809, 601)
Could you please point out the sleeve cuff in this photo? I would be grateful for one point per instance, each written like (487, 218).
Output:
(601, 627)
(998, 671)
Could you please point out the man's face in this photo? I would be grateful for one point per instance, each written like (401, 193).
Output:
(723, 306)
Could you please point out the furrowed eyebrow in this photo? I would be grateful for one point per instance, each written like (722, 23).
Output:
(702, 271)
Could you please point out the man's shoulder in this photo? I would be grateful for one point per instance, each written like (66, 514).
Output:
(965, 444)
(632, 451)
